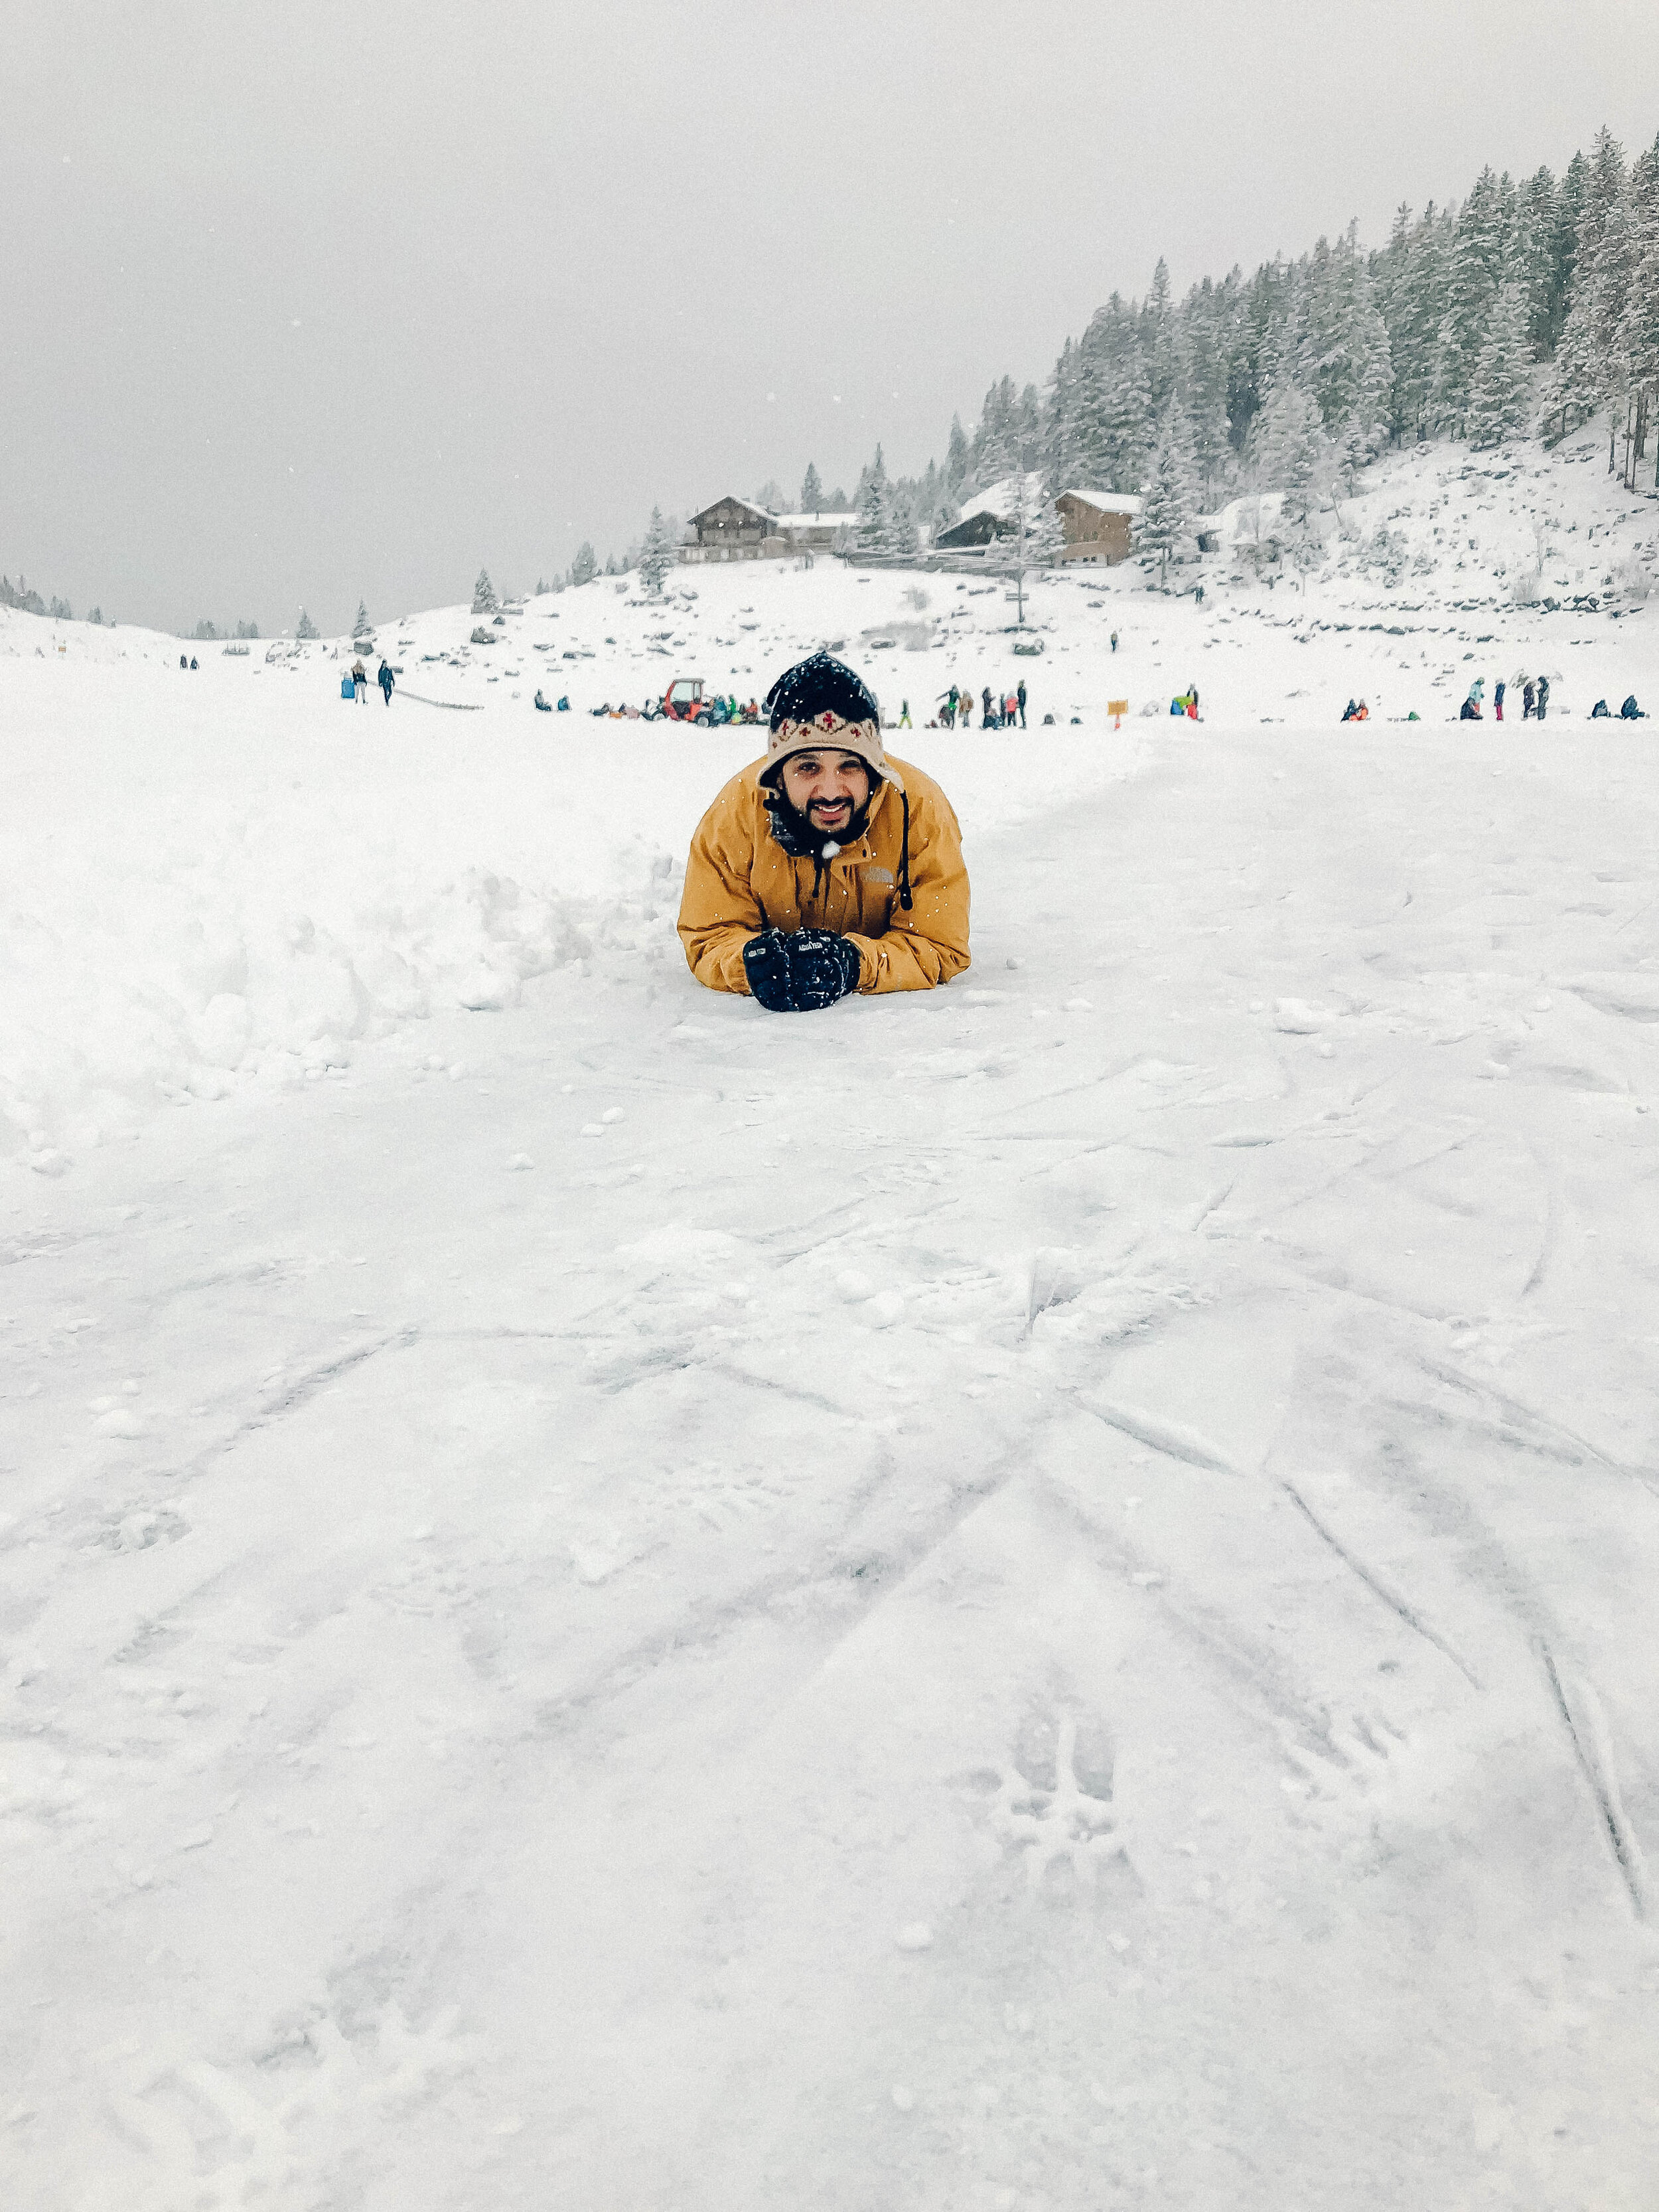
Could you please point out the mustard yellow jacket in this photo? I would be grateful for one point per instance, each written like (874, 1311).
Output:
(739, 880)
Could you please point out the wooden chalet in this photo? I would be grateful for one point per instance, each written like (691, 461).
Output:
(736, 530)
(731, 530)
(1098, 526)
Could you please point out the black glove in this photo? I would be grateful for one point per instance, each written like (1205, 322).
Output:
(796, 973)
(822, 967)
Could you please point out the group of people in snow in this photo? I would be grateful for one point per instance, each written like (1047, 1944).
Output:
(1535, 700)
(827, 867)
(956, 705)
(355, 683)
(1629, 712)
(718, 711)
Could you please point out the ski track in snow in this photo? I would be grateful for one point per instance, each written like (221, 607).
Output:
(1030, 1595)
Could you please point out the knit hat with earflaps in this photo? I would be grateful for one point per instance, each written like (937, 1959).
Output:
(819, 704)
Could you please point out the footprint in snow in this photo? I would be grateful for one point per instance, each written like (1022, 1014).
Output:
(1054, 1808)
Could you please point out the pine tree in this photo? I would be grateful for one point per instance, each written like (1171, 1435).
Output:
(1475, 269)
(874, 524)
(484, 601)
(1115, 422)
(1498, 393)
(811, 491)
(1060, 443)
(1170, 506)
(584, 567)
(305, 627)
(1289, 451)
(1535, 258)
(1046, 538)
(659, 554)
(1157, 341)
(1031, 538)
(956, 459)
(363, 630)
(903, 521)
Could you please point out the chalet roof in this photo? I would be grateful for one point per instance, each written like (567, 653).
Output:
(1105, 503)
(1000, 499)
(731, 499)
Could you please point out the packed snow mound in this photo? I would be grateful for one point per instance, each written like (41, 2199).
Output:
(231, 875)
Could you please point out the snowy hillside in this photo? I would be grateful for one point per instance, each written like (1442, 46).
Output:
(284, 876)
(1030, 1595)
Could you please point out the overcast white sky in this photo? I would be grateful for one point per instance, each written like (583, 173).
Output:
(309, 302)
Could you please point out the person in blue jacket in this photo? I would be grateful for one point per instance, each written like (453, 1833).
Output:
(386, 680)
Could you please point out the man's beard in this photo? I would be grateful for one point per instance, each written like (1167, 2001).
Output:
(799, 835)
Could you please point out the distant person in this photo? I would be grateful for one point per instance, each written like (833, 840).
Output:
(1543, 697)
(1198, 595)
(1528, 699)
(192, 660)
(1362, 712)
(984, 709)
(1010, 709)
(1498, 691)
(826, 867)
(1349, 711)
(1019, 697)
(184, 660)
(564, 703)
(386, 680)
(360, 682)
(904, 714)
(1471, 709)
(1113, 641)
(542, 706)
(1600, 712)
(1629, 712)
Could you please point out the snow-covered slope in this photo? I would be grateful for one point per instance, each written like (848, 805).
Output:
(1036, 1594)
(228, 875)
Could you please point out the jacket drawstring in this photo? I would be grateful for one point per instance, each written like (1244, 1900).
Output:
(904, 854)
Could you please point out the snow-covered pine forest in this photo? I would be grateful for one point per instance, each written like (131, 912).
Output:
(1533, 306)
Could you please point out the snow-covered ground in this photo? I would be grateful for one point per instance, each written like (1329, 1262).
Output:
(1032, 1595)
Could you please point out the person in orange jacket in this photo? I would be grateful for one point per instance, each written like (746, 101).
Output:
(826, 867)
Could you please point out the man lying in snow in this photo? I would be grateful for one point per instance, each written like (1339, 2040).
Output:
(825, 867)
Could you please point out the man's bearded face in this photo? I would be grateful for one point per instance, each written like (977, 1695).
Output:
(827, 788)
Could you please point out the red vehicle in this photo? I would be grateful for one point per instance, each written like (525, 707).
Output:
(683, 702)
